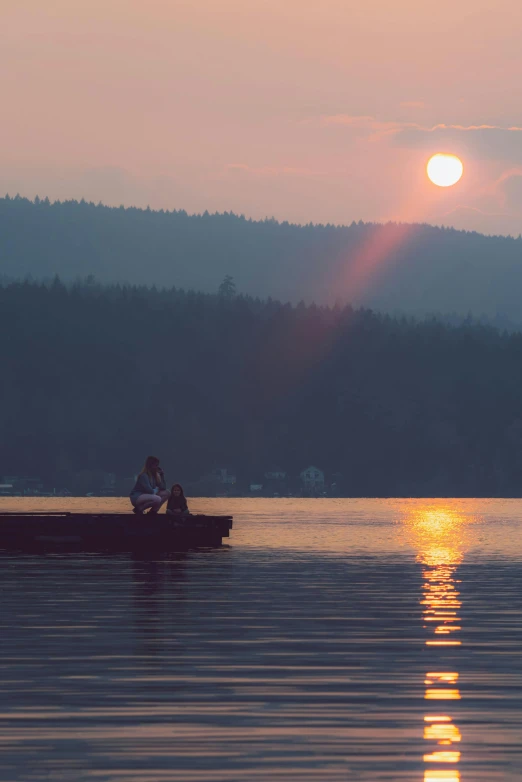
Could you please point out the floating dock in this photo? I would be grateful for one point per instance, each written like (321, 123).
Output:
(111, 531)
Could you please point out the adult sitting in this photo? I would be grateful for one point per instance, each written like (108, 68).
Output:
(149, 490)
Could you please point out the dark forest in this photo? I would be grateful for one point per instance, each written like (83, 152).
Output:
(96, 377)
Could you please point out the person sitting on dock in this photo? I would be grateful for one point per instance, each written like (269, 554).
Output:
(149, 490)
(177, 504)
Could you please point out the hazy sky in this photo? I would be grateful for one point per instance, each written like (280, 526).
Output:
(306, 110)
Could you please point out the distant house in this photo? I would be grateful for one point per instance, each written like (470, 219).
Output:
(225, 476)
(312, 479)
(275, 481)
(275, 475)
(23, 483)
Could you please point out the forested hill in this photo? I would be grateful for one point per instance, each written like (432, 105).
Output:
(395, 268)
(95, 378)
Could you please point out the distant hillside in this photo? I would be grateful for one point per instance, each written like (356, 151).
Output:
(410, 268)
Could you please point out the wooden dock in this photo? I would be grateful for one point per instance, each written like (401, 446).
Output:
(110, 531)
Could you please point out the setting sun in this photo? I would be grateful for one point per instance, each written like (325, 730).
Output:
(444, 170)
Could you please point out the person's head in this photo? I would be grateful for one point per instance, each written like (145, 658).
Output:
(177, 490)
(151, 465)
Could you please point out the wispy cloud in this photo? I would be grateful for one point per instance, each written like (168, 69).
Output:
(462, 208)
(481, 142)
(373, 123)
(508, 189)
(473, 218)
(484, 141)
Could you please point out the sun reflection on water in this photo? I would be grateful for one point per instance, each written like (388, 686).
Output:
(439, 534)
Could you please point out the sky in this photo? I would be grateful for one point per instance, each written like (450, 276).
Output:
(303, 110)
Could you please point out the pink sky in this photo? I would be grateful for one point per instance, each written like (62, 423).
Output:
(322, 110)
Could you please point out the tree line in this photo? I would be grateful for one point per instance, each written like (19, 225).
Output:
(414, 269)
(95, 377)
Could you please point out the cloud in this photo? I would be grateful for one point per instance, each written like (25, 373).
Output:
(373, 123)
(463, 209)
(485, 142)
(509, 188)
(471, 218)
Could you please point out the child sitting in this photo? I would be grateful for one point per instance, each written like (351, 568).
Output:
(177, 504)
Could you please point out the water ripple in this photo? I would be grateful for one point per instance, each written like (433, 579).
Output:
(342, 640)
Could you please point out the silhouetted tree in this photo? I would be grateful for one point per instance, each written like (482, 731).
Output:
(227, 289)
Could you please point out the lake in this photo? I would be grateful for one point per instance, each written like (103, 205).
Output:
(328, 639)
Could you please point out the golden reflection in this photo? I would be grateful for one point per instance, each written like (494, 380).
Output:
(439, 534)
(442, 695)
(442, 733)
(442, 757)
(448, 678)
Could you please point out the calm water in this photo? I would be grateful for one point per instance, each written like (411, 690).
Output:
(328, 640)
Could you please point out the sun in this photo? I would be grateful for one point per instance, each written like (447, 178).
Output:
(444, 170)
